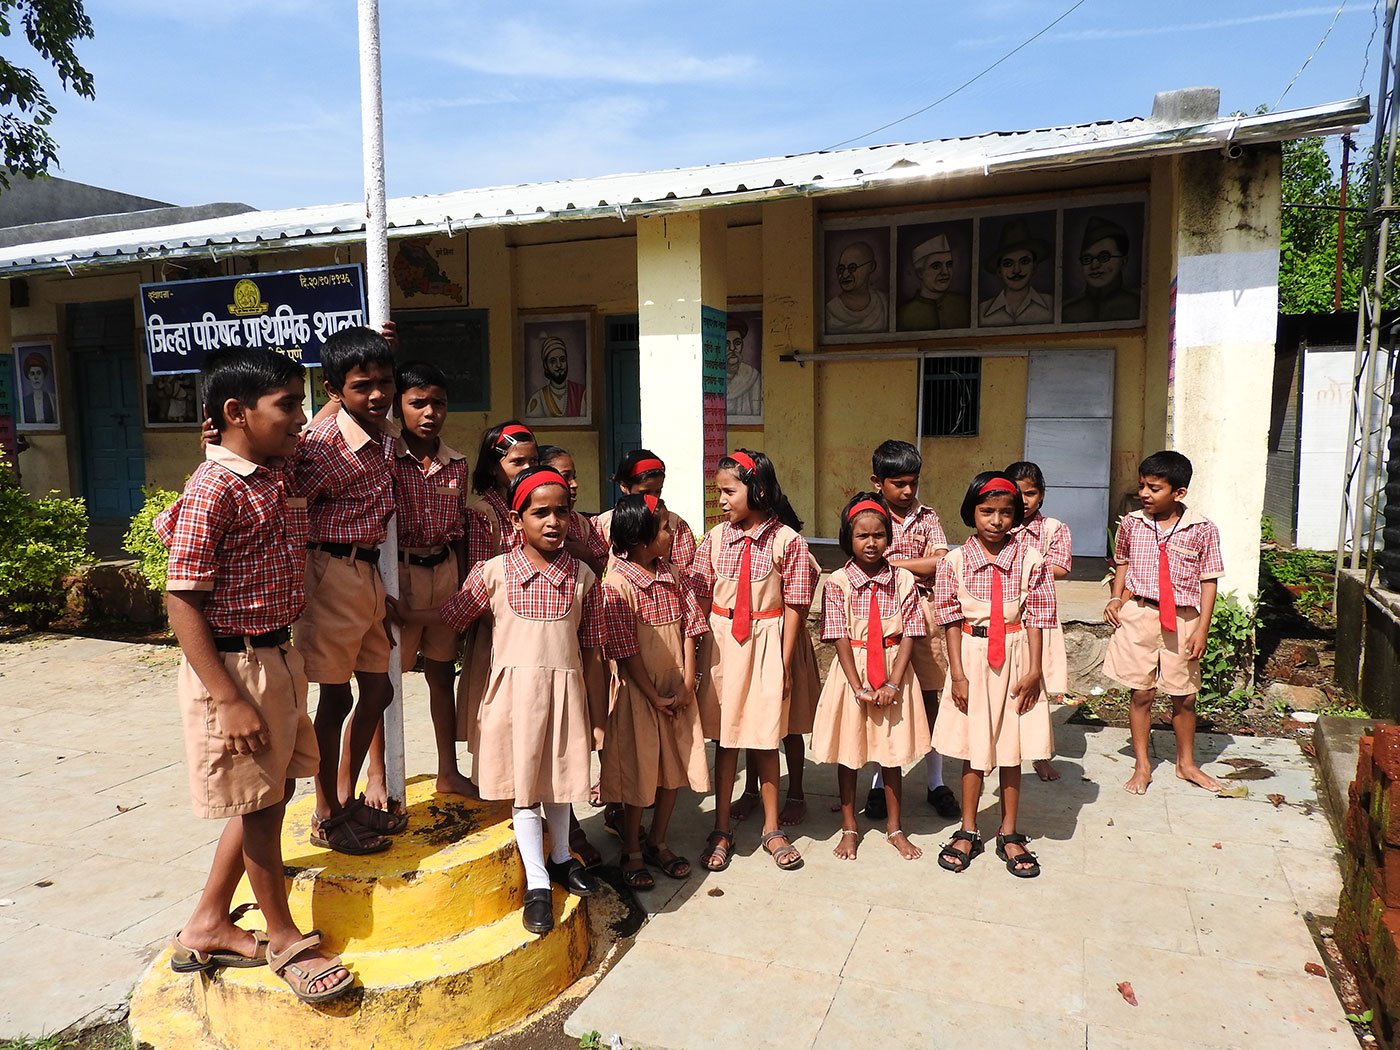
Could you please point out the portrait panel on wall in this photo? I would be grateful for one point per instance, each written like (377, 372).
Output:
(935, 276)
(36, 387)
(173, 400)
(428, 271)
(743, 346)
(555, 358)
(1016, 283)
(1103, 253)
(856, 284)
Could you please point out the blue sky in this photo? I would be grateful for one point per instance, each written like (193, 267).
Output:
(258, 100)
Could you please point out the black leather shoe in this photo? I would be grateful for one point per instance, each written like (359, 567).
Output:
(944, 802)
(572, 876)
(875, 808)
(538, 915)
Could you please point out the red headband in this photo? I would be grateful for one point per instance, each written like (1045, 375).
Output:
(866, 505)
(536, 480)
(998, 485)
(651, 501)
(744, 460)
(511, 436)
(646, 466)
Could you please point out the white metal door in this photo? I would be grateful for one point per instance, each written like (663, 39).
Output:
(1069, 433)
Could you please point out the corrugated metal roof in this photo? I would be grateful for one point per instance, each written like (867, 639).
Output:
(685, 189)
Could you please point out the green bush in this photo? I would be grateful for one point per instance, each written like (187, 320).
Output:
(142, 541)
(1227, 665)
(43, 541)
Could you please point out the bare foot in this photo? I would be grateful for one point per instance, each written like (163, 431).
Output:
(1045, 771)
(1137, 783)
(377, 795)
(1198, 776)
(455, 783)
(907, 849)
(743, 805)
(847, 844)
(794, 811)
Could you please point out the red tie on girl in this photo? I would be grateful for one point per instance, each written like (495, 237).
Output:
(1166, 593)
(743, 611)
(875, 644)
(996, 634)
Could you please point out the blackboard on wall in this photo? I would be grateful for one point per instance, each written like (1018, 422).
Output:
(456, 342)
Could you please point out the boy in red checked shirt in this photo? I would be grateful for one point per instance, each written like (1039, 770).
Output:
(1168, 561)
(237, 543)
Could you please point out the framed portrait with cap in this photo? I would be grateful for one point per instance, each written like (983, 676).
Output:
(1102, 266)
(743, 356)
(934, 288)
(1016, 270)
(36, 387)
(556, 366)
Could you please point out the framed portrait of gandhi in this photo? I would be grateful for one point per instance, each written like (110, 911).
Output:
(856, 281)
(556, 366)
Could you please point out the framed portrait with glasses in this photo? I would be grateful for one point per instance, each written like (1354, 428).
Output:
(1102, 265)
(856, 282)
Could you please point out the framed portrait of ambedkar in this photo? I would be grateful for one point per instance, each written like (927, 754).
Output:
(555, 366)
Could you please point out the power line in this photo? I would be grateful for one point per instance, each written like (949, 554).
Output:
(1309, 59)
(965, 84)
(1366, 58)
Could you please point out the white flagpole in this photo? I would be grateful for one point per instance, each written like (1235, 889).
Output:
(377, 280)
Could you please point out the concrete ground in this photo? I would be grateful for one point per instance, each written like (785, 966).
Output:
(1196, 901)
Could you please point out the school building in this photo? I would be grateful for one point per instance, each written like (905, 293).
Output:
(1079, 296)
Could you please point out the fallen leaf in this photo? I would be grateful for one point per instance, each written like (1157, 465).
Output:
(1216, 845)
(1110, 822)
(716, 892)
(1126, 991)
(1277, 800)
(44, 884)
(1315, 969)
(1233, 791)
(1308, 748)
(128, 809)
(1241, 763)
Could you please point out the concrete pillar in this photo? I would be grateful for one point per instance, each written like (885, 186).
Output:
(680, 278)
(1227, 238)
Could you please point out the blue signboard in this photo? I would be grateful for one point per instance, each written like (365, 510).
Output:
(293, 312)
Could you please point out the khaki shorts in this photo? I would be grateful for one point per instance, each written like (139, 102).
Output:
(927, 657)
(427, 587)
(1141, 657)
(342, 629)
(223, 784)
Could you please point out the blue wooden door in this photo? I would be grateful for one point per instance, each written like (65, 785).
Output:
(112, 453)
(622, 349)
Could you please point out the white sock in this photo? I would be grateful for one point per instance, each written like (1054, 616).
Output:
(556, 815)
(935, 770)
(529, 840)
(879, 781)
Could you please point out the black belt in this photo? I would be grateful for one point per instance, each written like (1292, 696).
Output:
(236, 643)
(425, 560)
(1146, 601)
(983, 632)
(344, 550)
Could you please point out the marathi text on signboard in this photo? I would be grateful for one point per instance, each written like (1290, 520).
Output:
(293, 312)
(715, 386)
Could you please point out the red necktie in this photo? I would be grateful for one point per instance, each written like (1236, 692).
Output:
(996, 634)
(875, 644)
(743, 601)
(1166, 593)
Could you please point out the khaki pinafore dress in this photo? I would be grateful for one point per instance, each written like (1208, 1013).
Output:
(643, 750)
(1054, 664)
(742, 700)
(476, 647)
(851, 732)
(991, 733)
(533, 732)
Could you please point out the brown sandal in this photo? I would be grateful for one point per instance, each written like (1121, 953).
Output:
(342, 834)
(794, 857)
(675, 868)
(283, 966)
(380, 821)
(719, 844)
(636, 878)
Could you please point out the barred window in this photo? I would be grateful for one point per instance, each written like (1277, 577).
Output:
(952, 396)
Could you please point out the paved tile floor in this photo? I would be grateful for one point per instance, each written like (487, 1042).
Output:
(100, 860)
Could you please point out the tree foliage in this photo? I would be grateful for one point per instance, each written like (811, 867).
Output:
(52, 28)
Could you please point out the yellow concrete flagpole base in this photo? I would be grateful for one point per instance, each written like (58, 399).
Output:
(431, 929)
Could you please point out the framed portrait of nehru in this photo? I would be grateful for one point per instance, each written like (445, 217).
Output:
(935, 277)
(556, 367)
(1103, 253)
(856, 281)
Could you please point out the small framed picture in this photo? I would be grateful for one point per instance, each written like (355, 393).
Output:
(173, 400)
(36, 387)
(1017, 282)
(856, 281)
(743, 346)
(1103, 265)
(556, 366)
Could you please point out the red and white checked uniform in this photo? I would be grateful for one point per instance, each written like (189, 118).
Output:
(533, 594)
(919, 535)
(233, 534)
(798, 573)
(1058, 552)
(661, 599)
(1193, 555)
(580, 528)
(482, 543)
(1040, 610)
(835, 625)
(345, 475)
(430, 500)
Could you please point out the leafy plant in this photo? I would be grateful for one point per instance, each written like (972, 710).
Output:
(142, 541)
(591, 1041)
(44, 541)
(1266, 530)
(1294, 568)
(1227, 665)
